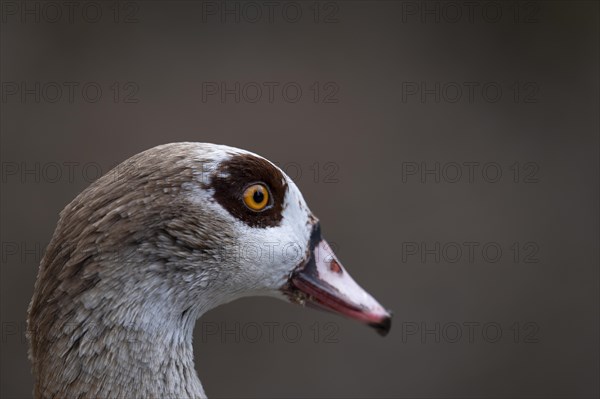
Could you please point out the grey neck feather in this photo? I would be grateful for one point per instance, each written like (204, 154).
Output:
(131, 266)
(122, 346)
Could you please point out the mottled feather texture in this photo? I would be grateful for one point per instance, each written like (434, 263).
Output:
(137, 257)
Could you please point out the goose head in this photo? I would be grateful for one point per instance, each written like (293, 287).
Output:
(167, 235)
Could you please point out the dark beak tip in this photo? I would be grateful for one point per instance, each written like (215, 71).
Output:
(384, 326)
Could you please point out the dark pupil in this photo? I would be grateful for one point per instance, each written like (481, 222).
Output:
(258, 196)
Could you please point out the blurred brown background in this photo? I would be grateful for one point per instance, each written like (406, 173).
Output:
(450, 150)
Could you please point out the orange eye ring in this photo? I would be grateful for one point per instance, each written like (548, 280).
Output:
(256, 197)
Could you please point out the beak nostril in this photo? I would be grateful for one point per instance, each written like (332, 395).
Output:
(335, 267)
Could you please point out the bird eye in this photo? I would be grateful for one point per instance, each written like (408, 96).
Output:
(256, 197)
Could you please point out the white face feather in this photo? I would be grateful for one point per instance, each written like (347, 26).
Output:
(264, 256)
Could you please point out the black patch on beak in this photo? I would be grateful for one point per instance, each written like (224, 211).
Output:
(310, 267)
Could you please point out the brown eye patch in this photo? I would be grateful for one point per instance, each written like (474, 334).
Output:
(235, 175)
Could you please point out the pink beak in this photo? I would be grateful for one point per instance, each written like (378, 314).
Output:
(323, 282)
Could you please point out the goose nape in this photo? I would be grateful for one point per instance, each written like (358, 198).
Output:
(142, 253)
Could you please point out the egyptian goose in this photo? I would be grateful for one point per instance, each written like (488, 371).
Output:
(144, 251)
